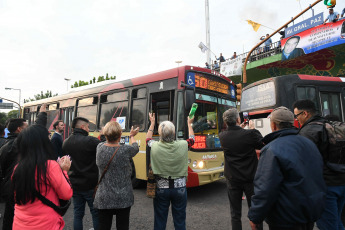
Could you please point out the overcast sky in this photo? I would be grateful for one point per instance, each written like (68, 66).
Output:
(43, 42)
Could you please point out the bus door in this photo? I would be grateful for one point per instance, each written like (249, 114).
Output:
(331, 104)
(67, 115)
(162, 104)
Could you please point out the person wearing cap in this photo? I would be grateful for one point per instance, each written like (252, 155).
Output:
(289, 190)
(332, 17)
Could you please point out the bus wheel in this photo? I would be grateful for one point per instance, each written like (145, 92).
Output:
(135, 182)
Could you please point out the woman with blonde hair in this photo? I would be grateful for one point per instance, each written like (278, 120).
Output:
(114, 195)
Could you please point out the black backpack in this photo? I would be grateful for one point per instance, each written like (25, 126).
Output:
(335, 159)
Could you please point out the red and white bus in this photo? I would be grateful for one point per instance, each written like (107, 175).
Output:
(260, 98)
(169, 94)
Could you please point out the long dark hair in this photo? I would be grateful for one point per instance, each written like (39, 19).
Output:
(35, 149)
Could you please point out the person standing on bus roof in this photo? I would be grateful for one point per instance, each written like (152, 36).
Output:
(289, 190)
(84, 172)
(240, 162)
(306, 115)
(8, 160)
(56, 139)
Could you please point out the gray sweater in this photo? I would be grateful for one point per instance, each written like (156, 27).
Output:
(115, 190)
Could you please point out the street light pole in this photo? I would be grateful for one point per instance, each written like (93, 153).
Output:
(67, 80)
(20, 93)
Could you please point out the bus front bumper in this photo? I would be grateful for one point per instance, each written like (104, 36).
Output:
(201, 177)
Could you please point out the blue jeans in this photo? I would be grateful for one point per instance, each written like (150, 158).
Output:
(331, 216)
(79, 200)
(161, 203)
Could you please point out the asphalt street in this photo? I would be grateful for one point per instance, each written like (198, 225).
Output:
(208, 208)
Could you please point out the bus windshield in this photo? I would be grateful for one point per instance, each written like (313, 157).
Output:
(208, 120)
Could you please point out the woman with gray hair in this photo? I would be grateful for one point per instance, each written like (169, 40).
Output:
(169, 162)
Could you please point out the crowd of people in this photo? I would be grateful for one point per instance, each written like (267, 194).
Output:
(287, 184)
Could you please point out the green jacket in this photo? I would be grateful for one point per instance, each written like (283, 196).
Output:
(170, 159)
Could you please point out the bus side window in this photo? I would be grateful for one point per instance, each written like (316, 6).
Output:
(87, 108)
(52, 115)
(162, 105)
(307, 92)
(330, 104)
(114, 107)
(139, 105)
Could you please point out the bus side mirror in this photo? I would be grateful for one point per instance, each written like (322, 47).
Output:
(189, 98)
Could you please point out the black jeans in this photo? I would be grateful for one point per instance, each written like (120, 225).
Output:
(8, 214)
(106, 218)
(235, 192)
(307, 226)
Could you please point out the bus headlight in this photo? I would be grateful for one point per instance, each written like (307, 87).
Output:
(189, 161)
(201, 164)
(194, 164)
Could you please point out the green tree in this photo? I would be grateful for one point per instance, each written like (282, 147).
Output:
(3, 118)
(41, 95)
(12, 114)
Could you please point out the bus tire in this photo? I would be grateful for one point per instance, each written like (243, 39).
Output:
(136, 183)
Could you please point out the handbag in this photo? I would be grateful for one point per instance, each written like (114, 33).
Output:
(64, 204)
(104, 171)
(151, 184)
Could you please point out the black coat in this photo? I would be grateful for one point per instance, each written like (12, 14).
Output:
(239, 153)
(82, 149)
(56, 140)
(9, 156)
(318, 134)
(2, 141)
(288, 186)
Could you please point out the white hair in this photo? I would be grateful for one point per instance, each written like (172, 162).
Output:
(166, 131)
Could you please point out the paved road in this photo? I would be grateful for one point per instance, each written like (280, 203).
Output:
(208, 208)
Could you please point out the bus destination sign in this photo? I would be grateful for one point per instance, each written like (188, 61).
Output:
(258, 97)
(201, 81)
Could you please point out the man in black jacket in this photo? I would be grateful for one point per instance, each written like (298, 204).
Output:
(8, 160)
(289, 188)
(84, 172)
(56, 139)
(2, 135)
(240, 162)
(313, 128)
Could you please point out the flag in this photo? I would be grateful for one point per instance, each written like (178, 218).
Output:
(255, 25)
(203, 47)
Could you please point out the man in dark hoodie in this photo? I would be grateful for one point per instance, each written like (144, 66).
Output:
(84, 172)
(312, 127)
(289, 190)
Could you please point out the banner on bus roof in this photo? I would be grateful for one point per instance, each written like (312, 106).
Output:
(314, 39)
(231, 67)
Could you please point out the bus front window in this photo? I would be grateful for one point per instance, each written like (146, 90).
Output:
(208, 122)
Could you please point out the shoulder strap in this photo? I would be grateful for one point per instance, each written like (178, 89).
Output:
(106, 168)
(47, 201)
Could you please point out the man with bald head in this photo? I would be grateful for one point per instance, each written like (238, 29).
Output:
(84, 172)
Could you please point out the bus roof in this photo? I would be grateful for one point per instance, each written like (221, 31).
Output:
(99, 89)
(300, 76)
